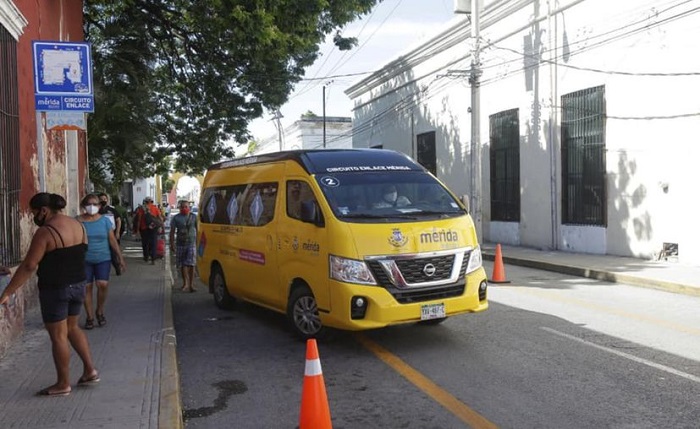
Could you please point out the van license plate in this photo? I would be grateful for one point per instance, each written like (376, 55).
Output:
(432, 311)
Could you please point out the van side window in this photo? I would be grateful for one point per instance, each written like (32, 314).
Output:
(249, 205)
(257, 205)
(297, 191)
(221, 205)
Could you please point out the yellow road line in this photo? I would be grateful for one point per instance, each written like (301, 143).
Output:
(441, 396)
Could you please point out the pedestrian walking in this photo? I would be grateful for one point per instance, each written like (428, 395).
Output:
(57, 253)
(148, 222)
(183, 235)
(111, 213)
(98, 261)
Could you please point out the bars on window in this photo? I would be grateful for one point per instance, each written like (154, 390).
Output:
(9, 152)
(504, 132)
(584, 200)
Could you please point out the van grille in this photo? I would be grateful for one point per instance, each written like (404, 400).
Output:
(404, 296)
(412, 269)
(413, 273)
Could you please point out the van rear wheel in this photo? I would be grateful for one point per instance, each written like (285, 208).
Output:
(302, 312)
(217, 284)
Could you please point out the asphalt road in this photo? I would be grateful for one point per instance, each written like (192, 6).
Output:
(552, 352)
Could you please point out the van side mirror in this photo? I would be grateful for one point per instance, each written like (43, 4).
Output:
(465, 201)
(310, 213)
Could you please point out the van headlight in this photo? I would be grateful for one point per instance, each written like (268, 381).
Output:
(350, 271)
(474, 260)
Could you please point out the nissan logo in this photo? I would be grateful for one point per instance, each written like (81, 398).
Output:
(429, 270)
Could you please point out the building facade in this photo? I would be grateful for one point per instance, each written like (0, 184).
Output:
(587, 123)
(308, 133)
(35, 155)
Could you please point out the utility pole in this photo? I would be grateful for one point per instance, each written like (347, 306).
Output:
(277, 117)
(474, 11)
(324, 116)
(474, 81)
(324, 111)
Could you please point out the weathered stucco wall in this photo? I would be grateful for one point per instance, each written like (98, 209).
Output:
(42, 154)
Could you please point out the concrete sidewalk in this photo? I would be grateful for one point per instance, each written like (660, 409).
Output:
(134, 353)
(663, 275)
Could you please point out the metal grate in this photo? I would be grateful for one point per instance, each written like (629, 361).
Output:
(9, 152)
(584, 199)
(504, 131)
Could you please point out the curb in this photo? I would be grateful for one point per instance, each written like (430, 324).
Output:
(599, 275)
(170, 404)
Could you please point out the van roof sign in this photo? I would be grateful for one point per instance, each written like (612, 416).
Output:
(334, 160)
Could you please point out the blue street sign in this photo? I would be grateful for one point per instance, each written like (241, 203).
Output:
(77, 103)
(63, 69)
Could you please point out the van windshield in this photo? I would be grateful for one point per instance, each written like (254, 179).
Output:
(392, 196)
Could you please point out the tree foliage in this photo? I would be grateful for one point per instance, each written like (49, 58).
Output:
(181, 79)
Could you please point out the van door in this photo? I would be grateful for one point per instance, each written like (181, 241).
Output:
(256, 252)
(303, 248)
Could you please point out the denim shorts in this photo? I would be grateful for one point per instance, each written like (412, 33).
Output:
(57, 303)
(98, 271)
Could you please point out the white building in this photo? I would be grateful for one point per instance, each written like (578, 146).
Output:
(308, 133)
(589, 122)
(140, 189)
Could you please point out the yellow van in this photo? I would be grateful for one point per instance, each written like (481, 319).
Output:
(349, 239)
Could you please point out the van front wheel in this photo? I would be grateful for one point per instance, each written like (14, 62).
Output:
(303, 313)
(217, 283)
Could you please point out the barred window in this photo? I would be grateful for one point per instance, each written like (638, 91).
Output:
(504, 132)
(584, 199)
(425, 145)
(9, 152)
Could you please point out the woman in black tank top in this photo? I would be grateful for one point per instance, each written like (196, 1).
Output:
(57, 253)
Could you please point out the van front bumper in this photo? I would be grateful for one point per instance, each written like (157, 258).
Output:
(384, 309)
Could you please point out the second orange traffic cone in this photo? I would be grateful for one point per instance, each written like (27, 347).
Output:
(499, 272)
(315, 413)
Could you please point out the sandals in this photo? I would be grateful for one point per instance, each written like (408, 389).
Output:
(94, 378)
(101, 321)
(89, 323)
(47, 392)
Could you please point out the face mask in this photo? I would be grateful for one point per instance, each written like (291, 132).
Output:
(39, 221)
(91, 210)
(185, 210)
(391, 197)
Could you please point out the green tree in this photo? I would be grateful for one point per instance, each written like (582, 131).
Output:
(182, 79)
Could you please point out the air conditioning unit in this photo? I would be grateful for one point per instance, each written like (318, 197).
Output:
(463, 6)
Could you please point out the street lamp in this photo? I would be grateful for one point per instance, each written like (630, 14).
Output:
(473, 9)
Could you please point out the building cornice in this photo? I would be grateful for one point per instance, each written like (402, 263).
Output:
(12, 19)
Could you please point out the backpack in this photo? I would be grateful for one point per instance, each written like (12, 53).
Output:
(183, 233)
(152, 222)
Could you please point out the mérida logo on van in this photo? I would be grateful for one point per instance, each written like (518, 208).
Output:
(439, 236)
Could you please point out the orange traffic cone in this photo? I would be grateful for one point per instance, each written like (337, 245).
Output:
(315, 413)
(499, 272)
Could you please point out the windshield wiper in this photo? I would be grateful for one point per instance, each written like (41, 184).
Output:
(434, 212)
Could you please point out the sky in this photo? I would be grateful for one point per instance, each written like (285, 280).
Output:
(392, 28)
